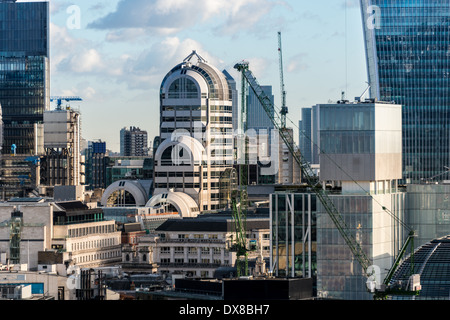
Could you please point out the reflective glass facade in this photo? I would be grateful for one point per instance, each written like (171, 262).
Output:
(293, 231)
(432, 262)
(24, 72)
(348, 129)
(339, 274)
(408, 56)
(428, 211)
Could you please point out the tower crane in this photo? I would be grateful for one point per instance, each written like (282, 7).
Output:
(239, 196)
(381, 291)
(59, 100)
(284, 108)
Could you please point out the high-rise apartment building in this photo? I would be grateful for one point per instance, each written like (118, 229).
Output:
(133, 142)
(24, 72)
(408, 59)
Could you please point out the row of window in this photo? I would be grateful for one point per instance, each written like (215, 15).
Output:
(181, 261)
(185, 174)
(191, 250)
(93, 244)
(177, 185)
(97, 256)
(184, 108)
(184, 119)
(84, 231)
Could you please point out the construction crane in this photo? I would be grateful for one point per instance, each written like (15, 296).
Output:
(380, 291)
(239, 196)
(59, 100)
(284, 108)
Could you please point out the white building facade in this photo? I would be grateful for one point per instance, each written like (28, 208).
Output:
(361, 159)
(196, 101)
(80, 235)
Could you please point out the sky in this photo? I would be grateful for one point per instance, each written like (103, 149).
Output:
(115, 53)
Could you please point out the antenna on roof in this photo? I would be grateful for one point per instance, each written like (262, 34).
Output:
(194, 53)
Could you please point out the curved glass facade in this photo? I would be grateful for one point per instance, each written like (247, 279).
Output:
(408, 55)
(432, 262)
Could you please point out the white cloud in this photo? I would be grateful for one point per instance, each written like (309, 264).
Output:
(165, 17)
(89, 60)
(149, 68)
(79, 56)
(296, 63)
(260, 67)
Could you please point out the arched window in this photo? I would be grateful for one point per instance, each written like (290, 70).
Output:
(175, 155)
(121, 198)
(183, 88)
(144, 257)
(127, 257)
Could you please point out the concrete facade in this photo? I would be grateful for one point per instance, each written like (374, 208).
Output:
(83, 243)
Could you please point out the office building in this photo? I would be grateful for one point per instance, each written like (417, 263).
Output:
(96, 160)
(118, 168)
(360, 155)
(235, 97)
(24, 90)
(428, 208)
(293, 228)
(429, 261)
(62, 163)
(133, 142)
(78, 234)
(360, 165)
(196, 131)
(24, 73)
(257, 117)
(201, 246)
(1, 131)
(305, 137)
(407, 48)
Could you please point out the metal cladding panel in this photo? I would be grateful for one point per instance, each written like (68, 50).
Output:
(56, 129)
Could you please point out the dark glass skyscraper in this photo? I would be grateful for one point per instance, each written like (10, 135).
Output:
(24, 72)
(408, 56)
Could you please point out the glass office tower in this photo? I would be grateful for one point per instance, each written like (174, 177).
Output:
(24, 72)
(408, 57)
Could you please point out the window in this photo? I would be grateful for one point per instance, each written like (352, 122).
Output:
(183, 88)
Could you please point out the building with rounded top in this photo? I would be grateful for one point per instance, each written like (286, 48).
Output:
(432, 263)
(196, 100)
(175, 202)
(180, 166)
(124, 193)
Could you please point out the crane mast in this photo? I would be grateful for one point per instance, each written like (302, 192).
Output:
(328, 205)
(239, 197)
(284, 109)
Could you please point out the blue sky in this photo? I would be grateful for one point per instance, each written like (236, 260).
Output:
(115, 53)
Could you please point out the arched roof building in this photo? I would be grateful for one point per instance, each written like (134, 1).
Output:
(125, 193)
(196, 103)
(432, 262)
(180, 202)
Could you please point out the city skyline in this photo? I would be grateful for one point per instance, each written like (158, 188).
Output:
(117, 64)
